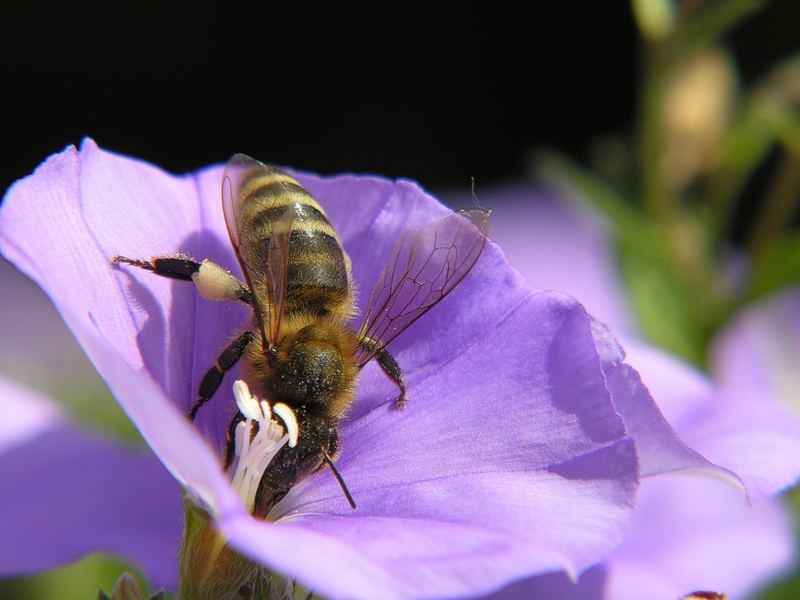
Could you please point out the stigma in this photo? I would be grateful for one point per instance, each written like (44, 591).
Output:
(258, 439)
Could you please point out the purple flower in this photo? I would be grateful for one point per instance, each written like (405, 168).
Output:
(758, 352)
(519, 450)
(688, 533)
(61, 502)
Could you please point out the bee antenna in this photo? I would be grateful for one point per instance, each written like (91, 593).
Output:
(474, 195)
(338, 476)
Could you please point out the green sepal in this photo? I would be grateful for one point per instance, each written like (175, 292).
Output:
(207, 568)
(210, 570)
(127, 588)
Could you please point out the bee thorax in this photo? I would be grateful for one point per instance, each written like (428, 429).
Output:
(310, 374)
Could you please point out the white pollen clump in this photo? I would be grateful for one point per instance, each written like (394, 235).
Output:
(255, 451)
(215, 283)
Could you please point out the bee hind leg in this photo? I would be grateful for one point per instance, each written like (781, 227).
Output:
(213, 377)
(392, 369)
(389, 366)
(212, 281)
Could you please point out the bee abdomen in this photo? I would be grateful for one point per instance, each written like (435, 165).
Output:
(318, 273)
(318, 279)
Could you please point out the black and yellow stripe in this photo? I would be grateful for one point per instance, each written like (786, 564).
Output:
(319, 280)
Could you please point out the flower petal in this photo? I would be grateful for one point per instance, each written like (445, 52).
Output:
(530, 226)
(34, 335)
(67, 201)
(688, 534)
(658, 446)
(744, 430)
(758, 352)
(591, 585)
(694, 533)
(487, 475)
(68, 492)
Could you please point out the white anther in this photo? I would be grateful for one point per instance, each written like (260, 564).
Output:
(257, 440)
(289, 418)
(266, 411)
(247, 404)
(240, 391)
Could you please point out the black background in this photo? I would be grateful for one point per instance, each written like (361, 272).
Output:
(435, 94)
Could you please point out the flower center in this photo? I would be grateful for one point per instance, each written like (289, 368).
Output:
(258, 439)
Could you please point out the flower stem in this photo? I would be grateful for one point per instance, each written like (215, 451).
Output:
(780, 203)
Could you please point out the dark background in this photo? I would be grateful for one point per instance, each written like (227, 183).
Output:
(438, 95)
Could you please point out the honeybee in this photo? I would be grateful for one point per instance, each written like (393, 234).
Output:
(300, 349)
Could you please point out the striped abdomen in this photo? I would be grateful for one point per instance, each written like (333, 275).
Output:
(319, 280)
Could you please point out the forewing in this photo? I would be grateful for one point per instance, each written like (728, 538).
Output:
(424, 267)
(278, 271)
(240, 171)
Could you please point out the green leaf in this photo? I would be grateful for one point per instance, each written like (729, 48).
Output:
(627, 223)
(666, 311)
(80, 579)
(710, 23)
(768, 115)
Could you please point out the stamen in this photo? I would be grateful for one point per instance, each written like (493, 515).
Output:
(266, 411)
(247, 404)
(258, 439)
(287, 414)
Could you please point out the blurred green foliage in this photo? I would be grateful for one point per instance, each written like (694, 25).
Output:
(79, 581)
(702, 194)
(703, 151)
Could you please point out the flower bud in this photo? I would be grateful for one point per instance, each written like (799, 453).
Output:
(655, 18)
(696, 112)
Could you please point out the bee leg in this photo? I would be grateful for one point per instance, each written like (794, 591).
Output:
(213, 377)
(389, 366)
(392, 369)
(212, 281)
(230, 448)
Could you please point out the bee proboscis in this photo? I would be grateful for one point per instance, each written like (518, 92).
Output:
(300, 349)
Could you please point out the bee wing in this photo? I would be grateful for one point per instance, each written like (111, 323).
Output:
(237, 170)
(278, 271)
(238, 181)
(424, 267)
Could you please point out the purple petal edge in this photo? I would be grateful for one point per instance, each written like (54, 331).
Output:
(659, 448)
